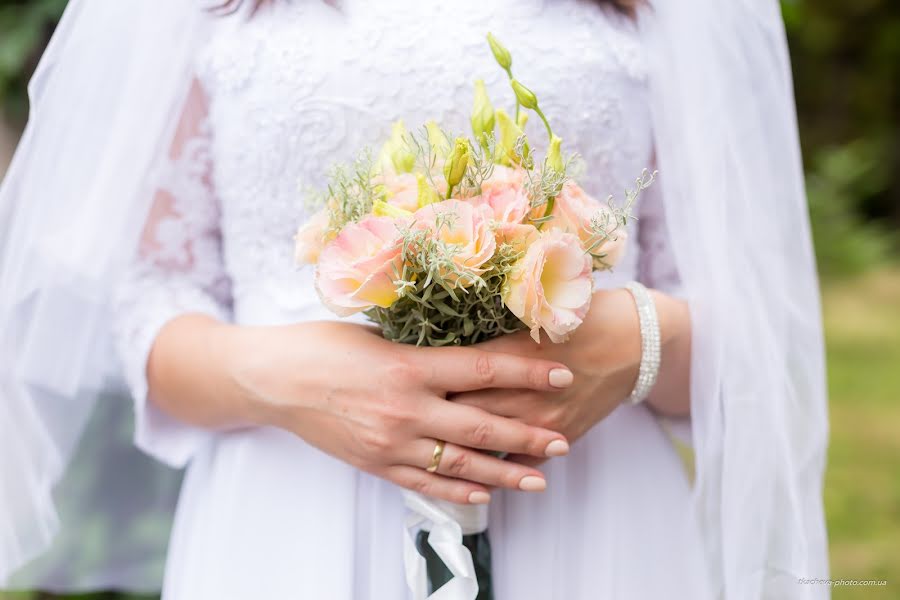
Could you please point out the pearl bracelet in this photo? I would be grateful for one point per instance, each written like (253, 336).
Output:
(650, 343)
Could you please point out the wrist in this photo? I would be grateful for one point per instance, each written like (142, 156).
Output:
(671, 396)
(234, 349)
(674, 318)
(608, 345)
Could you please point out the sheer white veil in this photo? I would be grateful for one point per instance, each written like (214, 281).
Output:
(732, 181)
(105, 99)
(105, 96)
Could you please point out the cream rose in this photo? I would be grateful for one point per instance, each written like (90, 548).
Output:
(311, 238)
(573, 211)
(401, 190)
(504, 193)
(550, 287)
(357, 269)
(466, 227)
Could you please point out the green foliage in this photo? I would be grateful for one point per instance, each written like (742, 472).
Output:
(24, 29)
(847, 243)
(441, 303)
(846, 64)
(429, 314)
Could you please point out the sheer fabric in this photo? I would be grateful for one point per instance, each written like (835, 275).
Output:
(178, 270)
(726, 139)
(104, 98)
(262, 513)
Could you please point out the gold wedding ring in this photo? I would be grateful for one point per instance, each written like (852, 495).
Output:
(436, 456)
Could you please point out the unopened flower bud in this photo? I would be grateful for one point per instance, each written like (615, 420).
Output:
(525, 96)
(554, 155)
(482, 114)
(396, 153)
(437, 139)
(522, 120)
(501, 54)
(426, 194)
(510, 133)
(457, 163)
(380, 208)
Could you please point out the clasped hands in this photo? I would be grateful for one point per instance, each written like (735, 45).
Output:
(382, 407)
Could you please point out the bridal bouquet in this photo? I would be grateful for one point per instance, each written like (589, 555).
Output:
(443, 239)
(455, 240)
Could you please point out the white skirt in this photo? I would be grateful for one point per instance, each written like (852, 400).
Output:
(264, 515)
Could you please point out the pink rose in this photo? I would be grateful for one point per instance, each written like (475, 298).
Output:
(504, 192)
(550, 287)
(311, 238)
(573, 211)
(357, 269)
(402, 190)
(466, 227)
(520, 236)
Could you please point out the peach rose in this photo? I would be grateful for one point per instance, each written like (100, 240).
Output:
(573, 210)
(465, 226)
(550, 287)
(504, 192)
(520, 236)
(357, 269)
(311, 238)
(402, 190)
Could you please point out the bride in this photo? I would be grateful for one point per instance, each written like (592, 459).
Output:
(147, 224)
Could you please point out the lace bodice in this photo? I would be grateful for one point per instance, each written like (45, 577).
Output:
(303, 85)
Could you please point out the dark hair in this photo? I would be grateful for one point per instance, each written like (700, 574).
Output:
(227, 7)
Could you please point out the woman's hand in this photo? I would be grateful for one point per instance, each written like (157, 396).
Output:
(604, 355)
(374, 404)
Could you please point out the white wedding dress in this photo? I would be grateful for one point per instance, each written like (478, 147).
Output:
(291, 91)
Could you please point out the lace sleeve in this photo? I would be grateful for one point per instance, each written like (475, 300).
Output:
(177, 269)
(656, 263)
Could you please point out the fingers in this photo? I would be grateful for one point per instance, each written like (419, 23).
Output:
(465, 463)
(465, 369)
(506, 403)
(476, 428)
(528, 461)
(419, 480)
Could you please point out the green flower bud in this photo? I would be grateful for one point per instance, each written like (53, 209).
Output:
(554, 155)
(457, 163)
(396, 152)
(437, 139)
(482, 114)
(426, 194)
(522, 120)
(380, 208)
(501, 54)
(525, 96)
(510, 133)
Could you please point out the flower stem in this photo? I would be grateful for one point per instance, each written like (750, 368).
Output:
(540, 113)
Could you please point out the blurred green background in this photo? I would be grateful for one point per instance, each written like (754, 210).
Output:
(846, 58)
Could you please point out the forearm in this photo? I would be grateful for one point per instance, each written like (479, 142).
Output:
(190, 376)
(671, 394)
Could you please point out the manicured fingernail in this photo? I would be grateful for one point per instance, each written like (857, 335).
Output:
(557, 448)
(531, 483)
(479, 498)
(561, 378)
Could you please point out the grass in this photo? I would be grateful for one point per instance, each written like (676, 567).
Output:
(862, 488)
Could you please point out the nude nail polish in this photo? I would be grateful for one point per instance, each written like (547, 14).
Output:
(531, 483)
(557, 448)
(561, 378)
(479, 498)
